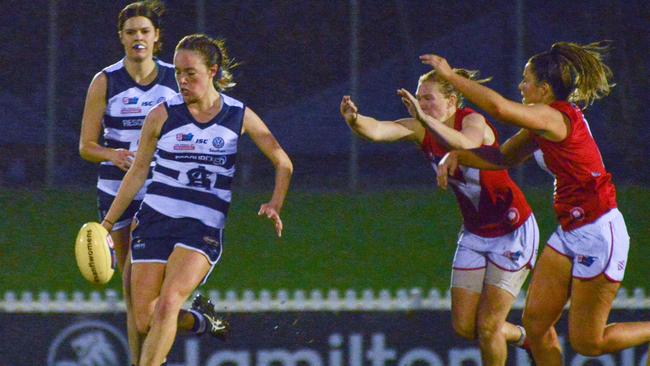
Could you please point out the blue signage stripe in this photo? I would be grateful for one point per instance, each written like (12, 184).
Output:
(196, 197)
(224, 160)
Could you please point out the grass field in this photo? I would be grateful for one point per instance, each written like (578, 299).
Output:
(388, 239)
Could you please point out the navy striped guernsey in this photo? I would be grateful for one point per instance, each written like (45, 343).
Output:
(195, 163)
(127, 104)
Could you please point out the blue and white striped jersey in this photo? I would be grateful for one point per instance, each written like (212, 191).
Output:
(127, 104)
(195, 163)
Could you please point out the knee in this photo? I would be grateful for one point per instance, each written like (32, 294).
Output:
(142, 321)
(464, 329)
(142, 314)
(585, 346)
(169, 304)
(488, 328)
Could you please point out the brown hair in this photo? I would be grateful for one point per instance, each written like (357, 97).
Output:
(446, 88)
(214, 53)
(150, 9)
(576, 73)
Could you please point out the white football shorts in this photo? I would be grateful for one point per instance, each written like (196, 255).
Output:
(595, 248)
(503, 261)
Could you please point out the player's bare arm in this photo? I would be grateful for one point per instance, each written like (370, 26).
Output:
(269, 146)
(91, 127)
(379, 131)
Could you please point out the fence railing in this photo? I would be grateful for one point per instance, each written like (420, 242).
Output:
(280, 300)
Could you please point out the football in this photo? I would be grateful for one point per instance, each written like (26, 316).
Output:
(94, 253)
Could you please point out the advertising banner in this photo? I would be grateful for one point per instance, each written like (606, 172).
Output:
(369, 338)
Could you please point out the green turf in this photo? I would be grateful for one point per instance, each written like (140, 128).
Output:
(374, 240)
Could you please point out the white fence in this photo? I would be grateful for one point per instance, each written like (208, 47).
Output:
(281, 300)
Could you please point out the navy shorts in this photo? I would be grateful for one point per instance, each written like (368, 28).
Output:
(156, 235)
(104, 201)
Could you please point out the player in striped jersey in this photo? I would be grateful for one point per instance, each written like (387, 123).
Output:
(585, 258)
(179, 235)
(497, 244)
(117, 101)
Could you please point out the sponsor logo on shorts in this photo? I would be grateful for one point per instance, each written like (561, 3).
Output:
(513, 256)
(620, 265)
(211, 240)
(577, 213)
(586, 260)
(139, 245)
(88, 342)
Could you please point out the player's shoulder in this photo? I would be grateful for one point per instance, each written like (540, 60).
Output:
(232, 102)
(174, 101)
(119, 65)
(164, 64)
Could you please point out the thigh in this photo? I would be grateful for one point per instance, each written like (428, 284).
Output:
(494, 306)
(464, 304)
(549, 288)
(591, 302)
(185, 270)
(121, 244)
(146, 282)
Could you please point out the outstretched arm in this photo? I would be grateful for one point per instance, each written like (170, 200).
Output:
(266, 142)
(91, 126)
(470, 136)
(513, 152)
(407, 129)
(539, 118)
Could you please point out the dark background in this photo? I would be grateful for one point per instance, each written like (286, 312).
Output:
(295, 66)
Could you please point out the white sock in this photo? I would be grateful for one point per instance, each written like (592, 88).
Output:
(202, 323)
(522, 338)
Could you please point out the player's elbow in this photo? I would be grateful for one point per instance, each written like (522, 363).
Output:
(84, 152)
(283, 163)
(287, 165)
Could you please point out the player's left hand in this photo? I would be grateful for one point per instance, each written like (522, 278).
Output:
(271, 212)
(439, 63)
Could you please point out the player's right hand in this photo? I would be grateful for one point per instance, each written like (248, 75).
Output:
(447, 166)
(122, 158)
(348, 110)
(439, 64)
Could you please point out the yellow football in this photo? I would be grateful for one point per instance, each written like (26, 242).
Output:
(94, 253)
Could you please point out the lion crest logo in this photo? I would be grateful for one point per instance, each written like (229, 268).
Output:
(89, 343)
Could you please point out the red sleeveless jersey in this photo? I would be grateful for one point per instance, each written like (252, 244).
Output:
(491, 203)
(583, 188)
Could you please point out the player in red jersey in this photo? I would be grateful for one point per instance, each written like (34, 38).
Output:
(586, 256)
(498, 242)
